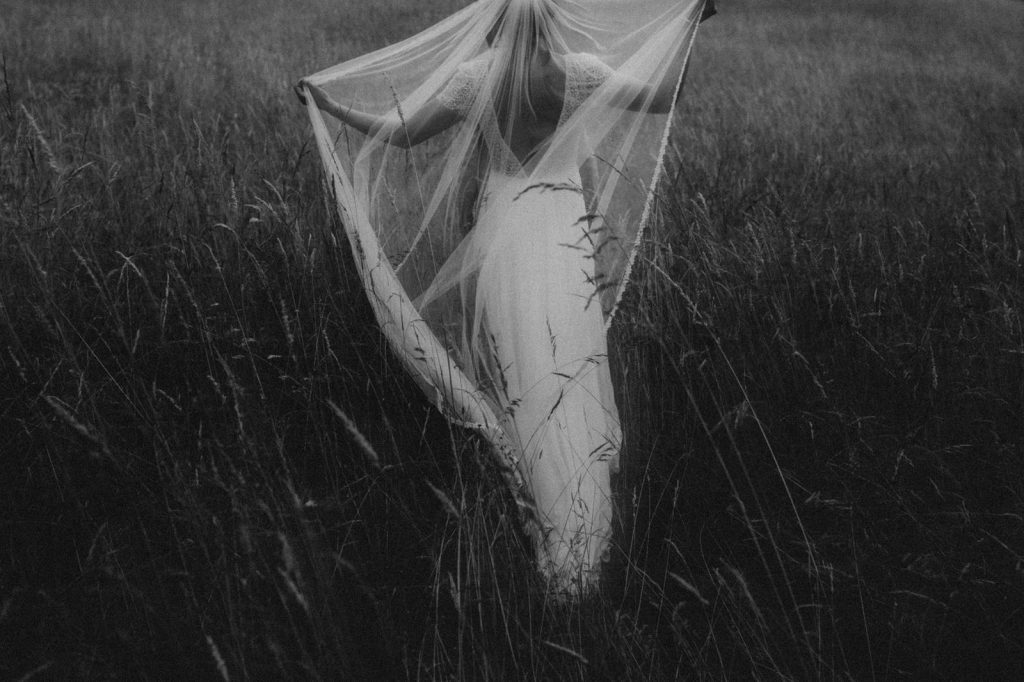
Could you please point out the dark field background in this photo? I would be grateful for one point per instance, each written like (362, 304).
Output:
(210, 466)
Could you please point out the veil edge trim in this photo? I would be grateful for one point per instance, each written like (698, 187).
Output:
(656, 177)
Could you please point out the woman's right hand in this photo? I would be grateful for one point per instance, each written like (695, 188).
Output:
(320, 96)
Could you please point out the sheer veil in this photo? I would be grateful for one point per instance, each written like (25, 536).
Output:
(412, 212)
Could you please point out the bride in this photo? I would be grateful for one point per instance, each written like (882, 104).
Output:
(495, 255)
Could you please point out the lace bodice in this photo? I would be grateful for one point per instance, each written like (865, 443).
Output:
(461, 90)
(584, 73)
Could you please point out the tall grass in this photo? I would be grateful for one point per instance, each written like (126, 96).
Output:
(212, 466)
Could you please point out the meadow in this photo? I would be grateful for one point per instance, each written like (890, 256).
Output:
(211, 466)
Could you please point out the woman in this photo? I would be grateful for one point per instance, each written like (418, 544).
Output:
(504, 324)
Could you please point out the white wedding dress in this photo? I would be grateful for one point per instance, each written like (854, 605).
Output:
(535, 295)
(536, 334)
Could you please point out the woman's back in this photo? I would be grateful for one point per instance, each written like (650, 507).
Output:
(538, 117)
(522, 112)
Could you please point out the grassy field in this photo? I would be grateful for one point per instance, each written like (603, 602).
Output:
(210, 466)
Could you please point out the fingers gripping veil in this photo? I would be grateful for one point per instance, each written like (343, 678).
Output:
(494, 201)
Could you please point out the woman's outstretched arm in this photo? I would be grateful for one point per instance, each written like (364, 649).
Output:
(662, 100)
(411, 129)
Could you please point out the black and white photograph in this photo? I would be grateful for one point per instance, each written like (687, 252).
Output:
(512, 340)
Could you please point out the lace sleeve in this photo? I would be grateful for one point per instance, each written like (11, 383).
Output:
(461, 90)
(584, 73)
